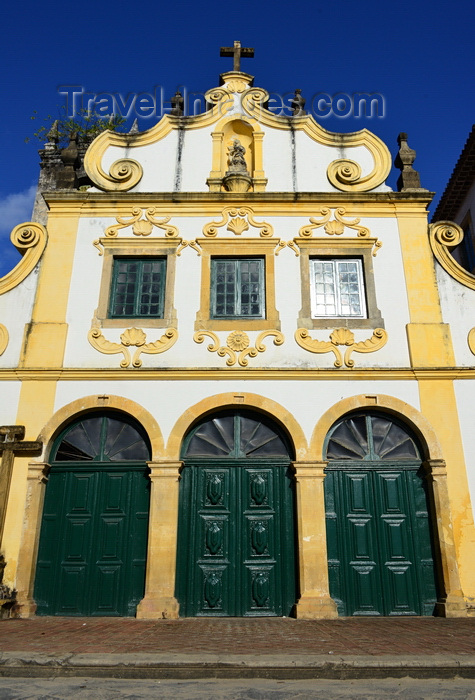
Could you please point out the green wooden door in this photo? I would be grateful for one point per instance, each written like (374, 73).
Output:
(380, 553)
(91, 558)
(236, 530)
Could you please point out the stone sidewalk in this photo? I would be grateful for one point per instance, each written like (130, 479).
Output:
(238, 648)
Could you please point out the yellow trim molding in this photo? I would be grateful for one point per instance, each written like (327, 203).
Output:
(30, 240)
(444, 236)
(341, 336)
(176, 374)
(232, 400)
(134, 337)
(4, 338)
(237, 345)
(343, 174)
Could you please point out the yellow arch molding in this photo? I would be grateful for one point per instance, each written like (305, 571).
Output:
(343, 174)
(444, 236)
(30, 240)
(89, 403)
(234, 400)
(379, 402)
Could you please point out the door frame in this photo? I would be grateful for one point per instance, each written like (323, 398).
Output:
(187, 511)
(451, 602)
(96, 468)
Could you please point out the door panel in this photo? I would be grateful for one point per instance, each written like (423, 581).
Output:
(235, 537)
(91, 558)
(379, 544)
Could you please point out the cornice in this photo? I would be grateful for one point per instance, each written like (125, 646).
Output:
(83, 197)
(376, 204)
(249, 373)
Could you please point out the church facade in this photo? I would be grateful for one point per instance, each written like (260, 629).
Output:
(243, 365)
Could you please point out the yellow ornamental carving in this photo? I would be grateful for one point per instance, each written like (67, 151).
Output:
(344, 174)
(236, 85)
(142, 226)
(337, 225)
(237, 220)
(188, 244)
(30, 240)
(443, 237)
(132, 337)
(238, 340)
(334, 228)
(124, 174)
(341, 337)
(3, 338)
(287, 244)
(238, 225)
(237, 347)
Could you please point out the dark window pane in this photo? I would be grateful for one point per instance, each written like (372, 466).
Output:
(213, 438)
(237, 287)
(391, 441)
(387, 440)
(138, 287)
(349, 440)
(102, 438)
(259, 440)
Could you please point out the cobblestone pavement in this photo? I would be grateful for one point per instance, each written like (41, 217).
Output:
(372, 636)
(113, 689)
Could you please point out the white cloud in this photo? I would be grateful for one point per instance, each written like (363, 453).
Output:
(16, 208)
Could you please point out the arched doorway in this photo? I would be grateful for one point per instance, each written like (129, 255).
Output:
(92, 550)
(379, 533)
(236, 535)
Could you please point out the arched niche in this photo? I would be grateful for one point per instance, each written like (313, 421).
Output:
(250, 136)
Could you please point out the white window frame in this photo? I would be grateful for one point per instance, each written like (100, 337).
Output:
(336, 263)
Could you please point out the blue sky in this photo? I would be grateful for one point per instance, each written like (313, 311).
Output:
(418, 55)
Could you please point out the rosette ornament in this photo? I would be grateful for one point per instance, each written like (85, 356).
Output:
(237, 347)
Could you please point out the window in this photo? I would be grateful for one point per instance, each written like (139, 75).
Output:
(138, 286)
(237, 285)
(138, 283)
(337, 288)
(237, 288)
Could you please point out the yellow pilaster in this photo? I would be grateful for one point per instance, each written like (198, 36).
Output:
(315, 601)
(25, 580)
(430, 345)
(451, 603)
(159, 601)
(438, 404)
(36, 405)
(45, 336)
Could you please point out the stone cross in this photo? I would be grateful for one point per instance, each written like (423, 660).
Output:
(237, 52)
(11, 442)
